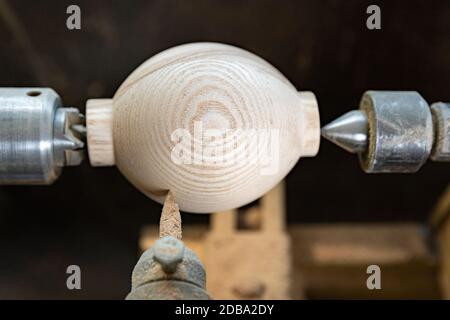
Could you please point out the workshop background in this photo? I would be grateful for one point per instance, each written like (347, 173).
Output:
(92, 217)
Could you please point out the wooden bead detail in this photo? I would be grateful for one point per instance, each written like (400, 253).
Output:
(99, 114)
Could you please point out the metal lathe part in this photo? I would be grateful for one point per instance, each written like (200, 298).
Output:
(348, 131)
(168, 271)
(36, 139)
(399, 131)
(441, 123)
(168, 252)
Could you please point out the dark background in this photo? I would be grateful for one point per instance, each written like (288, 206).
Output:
(92, 217)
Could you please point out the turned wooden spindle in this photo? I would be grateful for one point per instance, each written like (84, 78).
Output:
(221, 89)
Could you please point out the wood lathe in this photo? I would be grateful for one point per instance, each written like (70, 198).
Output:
(239, 126)
(214, 126)
(216, 95)
(224, 90)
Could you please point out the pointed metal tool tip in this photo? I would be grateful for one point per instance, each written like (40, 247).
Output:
(349, 131)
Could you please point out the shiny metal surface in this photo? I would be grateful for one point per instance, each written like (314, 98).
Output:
(441, 122)
(394, 131)
(400, 131)
(67, 142)
(35, 136)
(348, 131)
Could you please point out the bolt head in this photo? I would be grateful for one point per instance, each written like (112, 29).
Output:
(168, 252)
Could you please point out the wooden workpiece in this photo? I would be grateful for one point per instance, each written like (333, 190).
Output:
(204, 88)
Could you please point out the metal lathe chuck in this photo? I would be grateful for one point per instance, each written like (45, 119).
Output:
(393, 131)
(38, 137)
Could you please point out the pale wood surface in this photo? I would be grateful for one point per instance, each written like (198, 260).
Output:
(224, 88)
(248, 259)
(225, 222)
(255, 261)
(99, 114)
(273, 210)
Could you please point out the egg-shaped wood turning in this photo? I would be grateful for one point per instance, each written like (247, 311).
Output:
(215, 124)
